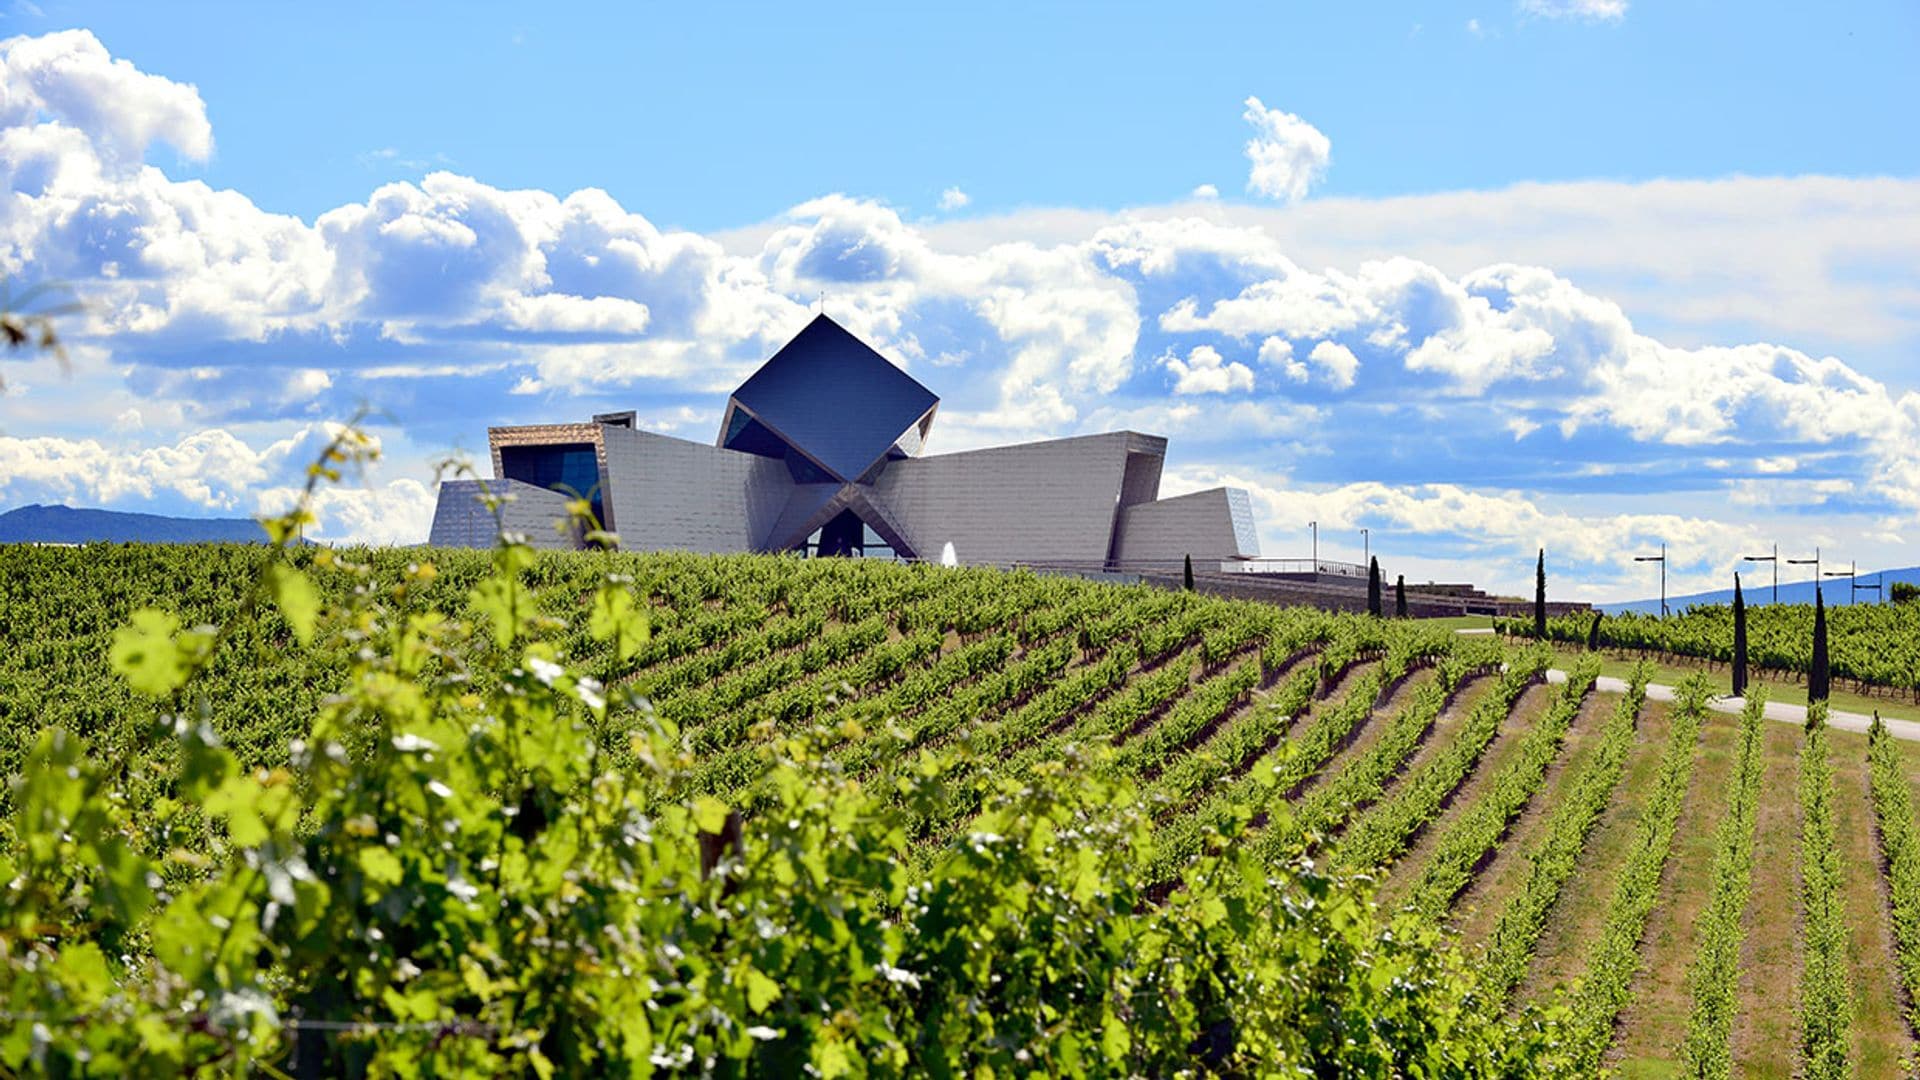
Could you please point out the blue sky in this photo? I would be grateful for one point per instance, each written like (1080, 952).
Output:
(1583, 273)
(709, 119)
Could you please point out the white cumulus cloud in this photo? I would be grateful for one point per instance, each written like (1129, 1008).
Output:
(1336, 362)
(1205, 371)
(1287, 154)
(953, 199)
(70, 77)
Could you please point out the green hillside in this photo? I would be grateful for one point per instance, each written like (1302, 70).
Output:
(627, 814)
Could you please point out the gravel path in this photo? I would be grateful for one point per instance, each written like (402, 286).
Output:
(1789, 714)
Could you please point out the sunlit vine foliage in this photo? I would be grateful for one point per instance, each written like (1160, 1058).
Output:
(460, 843)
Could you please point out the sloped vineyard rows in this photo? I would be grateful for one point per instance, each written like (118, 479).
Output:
(1554, 856)
(1877, 644)
(1714, 977)
(975, 821)
(1474, 835)
(1900, 846)
(1826, 992)
(1614, 958)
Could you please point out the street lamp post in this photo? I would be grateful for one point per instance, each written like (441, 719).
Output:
(1854, 588)
(1813, 562)
(1662, 560)
(1775, 560)
(1840, 573)
(1366, 547)
(1314, 527)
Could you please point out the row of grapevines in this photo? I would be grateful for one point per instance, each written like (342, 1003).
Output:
(1142, 701)
(712, 703)
(1554, 856)
(1232, 749)
(1714, 977)
(1875, 643)
(826, 668)
(1079, 607)
(1007, 749)
(809, 622)
(994, 690)
(1181, 839)
(1826, 995)
(1614, 957)
(1210, 699)
(1141, 611)
(686, 672)
(1480, 829)
(1122, 711)
(1282, 772)
(736, 763)
(1900, 841)
(988, 745)
(1379, 836)
(1365, 779)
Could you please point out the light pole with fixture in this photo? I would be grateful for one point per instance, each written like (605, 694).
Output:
(1854, 588)
(1662, 560)
(1314, 527)
(1366, 547)
(1813, 562)
(1775, 560)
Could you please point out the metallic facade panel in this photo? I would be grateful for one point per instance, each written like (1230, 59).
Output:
(830, 395)
(1040, 502)
(828, 426)
(669, 494)
(1212, 524)
(460, 519)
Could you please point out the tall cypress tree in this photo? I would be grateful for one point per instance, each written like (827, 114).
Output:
(1540, 597)
(1400, 597)
(1819, 677)
(1593, 632)
(1187, 577)
(1739, 640)
(1373, 589)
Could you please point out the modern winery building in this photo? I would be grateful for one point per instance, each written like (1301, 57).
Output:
(819, 452)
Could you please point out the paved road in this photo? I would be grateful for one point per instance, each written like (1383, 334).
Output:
(1776, 710)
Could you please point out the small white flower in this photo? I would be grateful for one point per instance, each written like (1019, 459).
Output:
(462, 890)
(898, 976)
(439, 789)
(409, 743)
(762, 1032)
(589, 691)
(545, 670)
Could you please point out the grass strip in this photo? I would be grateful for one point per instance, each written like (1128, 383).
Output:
(1615, 957)
(1826, 995)
(1476, 833)
(1900, 847)
(1382, 834)
(1714, 979)
(1556, 855)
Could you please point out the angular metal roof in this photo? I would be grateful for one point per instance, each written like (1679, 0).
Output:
(830, 397)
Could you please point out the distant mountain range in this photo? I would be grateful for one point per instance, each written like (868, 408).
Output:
(1759, 589)
(69, 525)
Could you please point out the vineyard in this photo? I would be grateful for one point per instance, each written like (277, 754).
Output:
(311, 812)
(1873, 645)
